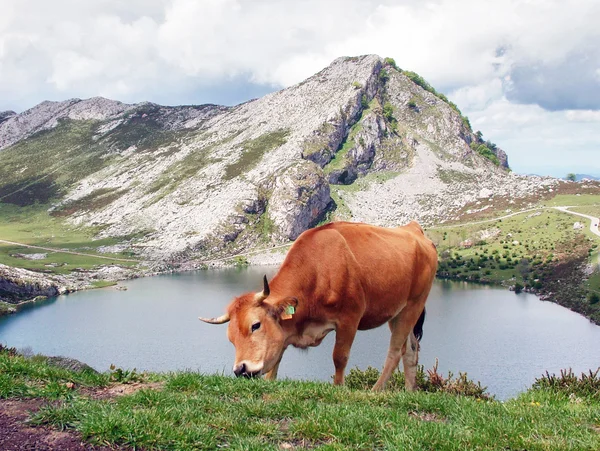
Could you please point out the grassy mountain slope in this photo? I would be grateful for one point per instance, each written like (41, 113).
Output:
(193, 182)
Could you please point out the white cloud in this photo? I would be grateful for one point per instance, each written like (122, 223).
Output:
(541, 141)
(583, 115)
(184, 51)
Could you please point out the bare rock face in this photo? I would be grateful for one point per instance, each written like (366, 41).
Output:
(362, 150)
(321, 146)
(501, 154)
(19, 284)
(47, 114)
(5, 115)
(300, 197)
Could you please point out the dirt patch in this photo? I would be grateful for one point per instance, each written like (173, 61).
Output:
(427, 416)
(17, 435)
(115, 390)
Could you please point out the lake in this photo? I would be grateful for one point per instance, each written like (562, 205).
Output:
(500, 338)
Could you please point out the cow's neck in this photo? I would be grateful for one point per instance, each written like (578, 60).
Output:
(307, 334)
(301, 330)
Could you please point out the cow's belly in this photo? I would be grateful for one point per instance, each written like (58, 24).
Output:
(373, 321)
(381, 310)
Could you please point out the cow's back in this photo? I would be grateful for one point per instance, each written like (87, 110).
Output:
(386, 267)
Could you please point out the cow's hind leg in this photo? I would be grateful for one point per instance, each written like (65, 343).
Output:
(401, 327)
(410, 359)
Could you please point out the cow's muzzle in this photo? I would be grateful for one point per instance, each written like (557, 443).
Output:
(242, 370)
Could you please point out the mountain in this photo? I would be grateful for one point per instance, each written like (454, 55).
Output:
(579, 177)
(361, 140)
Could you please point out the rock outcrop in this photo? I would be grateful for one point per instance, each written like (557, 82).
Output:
(300, 197)
(19, 284)
(5, 115)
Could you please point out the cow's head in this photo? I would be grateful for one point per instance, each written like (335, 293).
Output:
(255, 330)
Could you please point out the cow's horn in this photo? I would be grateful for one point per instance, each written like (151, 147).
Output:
(266, 290)
(220, 320)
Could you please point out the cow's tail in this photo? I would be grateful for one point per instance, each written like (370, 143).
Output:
(418, 329)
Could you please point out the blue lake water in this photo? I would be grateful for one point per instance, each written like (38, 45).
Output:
(502, 339)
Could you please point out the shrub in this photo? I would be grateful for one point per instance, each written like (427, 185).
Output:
(125, 376)
(364, 102)
(11, 352)
(391, 62)
(388, 111)
(485, 152)
(428, 381)
(383, 76)
(587, 385)
(593, 298)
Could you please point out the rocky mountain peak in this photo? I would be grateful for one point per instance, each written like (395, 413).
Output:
(360, 140)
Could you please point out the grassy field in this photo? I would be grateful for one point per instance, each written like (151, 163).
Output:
(539, 250)
(591, 210)
(33, 225)
(189, 411)
(500, 246)
(573, 200)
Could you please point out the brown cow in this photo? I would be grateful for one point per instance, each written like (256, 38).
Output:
(341, 276)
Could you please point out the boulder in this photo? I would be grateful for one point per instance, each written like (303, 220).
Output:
(70, 364)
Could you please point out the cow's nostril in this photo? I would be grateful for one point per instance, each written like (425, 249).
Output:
(240, 370)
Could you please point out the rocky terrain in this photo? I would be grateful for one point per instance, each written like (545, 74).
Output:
(19, 285)
(360, 140)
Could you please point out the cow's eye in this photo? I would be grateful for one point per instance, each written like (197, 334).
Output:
(255, 326)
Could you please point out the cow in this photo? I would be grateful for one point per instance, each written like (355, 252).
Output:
(340, 277)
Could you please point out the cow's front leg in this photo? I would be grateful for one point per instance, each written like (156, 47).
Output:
(341, 352)
(272, 375)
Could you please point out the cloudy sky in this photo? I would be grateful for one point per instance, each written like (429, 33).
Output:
(526, 72)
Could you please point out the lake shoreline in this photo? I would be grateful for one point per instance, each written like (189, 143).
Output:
(267, 257)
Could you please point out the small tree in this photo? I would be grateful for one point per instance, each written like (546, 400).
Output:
(383, 76)
(572, 177)
(388, 111)
(364, 102)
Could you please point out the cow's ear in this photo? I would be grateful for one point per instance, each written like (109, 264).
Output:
(286, 308)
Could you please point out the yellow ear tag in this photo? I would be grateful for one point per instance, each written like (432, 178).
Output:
(289, 311)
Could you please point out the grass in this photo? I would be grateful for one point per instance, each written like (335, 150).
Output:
(538, 250)
(252, 152)
(103, 283)
(193, 411)
(96, 200)
(34, 226)
(591, 210)
(534, 236)
(44, 166)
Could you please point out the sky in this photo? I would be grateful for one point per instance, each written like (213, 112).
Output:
(526, 72)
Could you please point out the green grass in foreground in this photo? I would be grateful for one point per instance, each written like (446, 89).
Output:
(194, 411)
